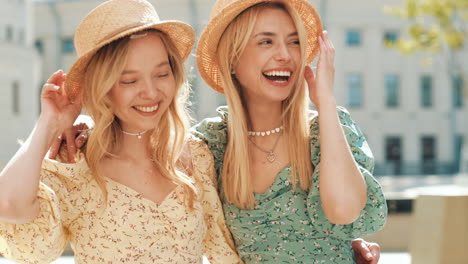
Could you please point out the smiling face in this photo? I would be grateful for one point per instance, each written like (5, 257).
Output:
(146, 86)
(268, 66)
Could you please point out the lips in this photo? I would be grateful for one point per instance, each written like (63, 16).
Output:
(147, 109)
(278, 76)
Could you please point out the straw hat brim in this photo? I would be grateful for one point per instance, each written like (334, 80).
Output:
(209, 39)
(181, 34)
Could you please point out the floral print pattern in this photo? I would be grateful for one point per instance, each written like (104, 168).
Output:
(289, 226)
(129, 229)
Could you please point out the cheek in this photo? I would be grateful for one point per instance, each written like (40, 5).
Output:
(247, 71)
(167, 91)
(171, 88)
(120, 98)
(296, 54)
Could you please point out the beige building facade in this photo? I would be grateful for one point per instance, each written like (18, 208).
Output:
(411, 111)
(19, 75)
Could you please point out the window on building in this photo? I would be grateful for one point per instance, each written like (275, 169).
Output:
(354, 85)
(393, 154)
(390, 37)
(459, 141)
(392, 90)
(67, 45)
(428, 154)
(426, 91)
(457, 84)
(15, 94)
(353, 38)
(9, 33)
(39, 46)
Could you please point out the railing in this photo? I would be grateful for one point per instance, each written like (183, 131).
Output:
(415, 168)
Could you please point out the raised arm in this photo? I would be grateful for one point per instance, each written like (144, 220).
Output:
(342, 186)
(19, 180)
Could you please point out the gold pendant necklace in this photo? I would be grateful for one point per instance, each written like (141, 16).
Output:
(271, 156)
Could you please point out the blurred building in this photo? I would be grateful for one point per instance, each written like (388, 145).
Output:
(411, 112)
(19, 75)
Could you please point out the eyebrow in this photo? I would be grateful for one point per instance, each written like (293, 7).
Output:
(164, 63)
(271, 34)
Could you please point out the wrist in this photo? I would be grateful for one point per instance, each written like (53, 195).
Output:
(326, 104)
(48, 126)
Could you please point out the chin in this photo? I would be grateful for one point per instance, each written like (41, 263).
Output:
(280, 96)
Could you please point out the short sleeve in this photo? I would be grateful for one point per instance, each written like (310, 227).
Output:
(218, 245)
(213, 131)
(374, 214)
(44, 239)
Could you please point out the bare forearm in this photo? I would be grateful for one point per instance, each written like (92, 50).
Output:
(19, 180)
(342, 186)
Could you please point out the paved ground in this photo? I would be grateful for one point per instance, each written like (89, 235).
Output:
(409, 187)
(386, 258)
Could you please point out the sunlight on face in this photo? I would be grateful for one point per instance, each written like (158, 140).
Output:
(146, 87)
(266, 69)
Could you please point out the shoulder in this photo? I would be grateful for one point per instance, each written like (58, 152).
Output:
(212, 129)
(76, 173)
(201, 157)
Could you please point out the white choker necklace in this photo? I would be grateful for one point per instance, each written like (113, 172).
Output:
(266, 133)
(134, 134)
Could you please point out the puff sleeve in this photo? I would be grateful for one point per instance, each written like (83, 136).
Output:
(218, 245)
(213, 131)
(44, 239)
(373, 216)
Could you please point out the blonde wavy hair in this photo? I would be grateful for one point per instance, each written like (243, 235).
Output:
(237, 186)
(166, 141)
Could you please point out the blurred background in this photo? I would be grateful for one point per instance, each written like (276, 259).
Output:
(401, 70)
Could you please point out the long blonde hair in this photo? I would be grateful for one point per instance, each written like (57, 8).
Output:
(166, 141)
(237, 186)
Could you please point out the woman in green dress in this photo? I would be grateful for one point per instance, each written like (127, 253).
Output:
(296, 185)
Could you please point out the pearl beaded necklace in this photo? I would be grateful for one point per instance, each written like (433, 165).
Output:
(265, 133)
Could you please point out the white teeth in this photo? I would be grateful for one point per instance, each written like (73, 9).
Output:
(147, 109)
(278, 73)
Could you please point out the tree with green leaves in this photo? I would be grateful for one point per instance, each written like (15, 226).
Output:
(434, 25)
(437, 26)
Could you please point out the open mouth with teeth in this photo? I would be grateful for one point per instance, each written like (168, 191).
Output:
(277, 76)
(146, 109)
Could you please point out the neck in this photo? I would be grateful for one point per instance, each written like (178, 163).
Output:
(134, 148)
(264, 116)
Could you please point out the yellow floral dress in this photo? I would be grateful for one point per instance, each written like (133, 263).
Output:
(129, 229)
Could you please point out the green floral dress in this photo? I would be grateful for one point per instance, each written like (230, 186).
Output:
(289, 226)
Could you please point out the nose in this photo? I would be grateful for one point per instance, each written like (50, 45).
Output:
(282, 53)
(149, 90)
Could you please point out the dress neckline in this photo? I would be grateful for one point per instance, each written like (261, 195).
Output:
(170, 196)
(274, 183)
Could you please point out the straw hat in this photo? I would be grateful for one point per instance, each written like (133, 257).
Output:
(225, 11)
(116, 19)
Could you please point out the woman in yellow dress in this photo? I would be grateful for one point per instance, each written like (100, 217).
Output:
(135, 194)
